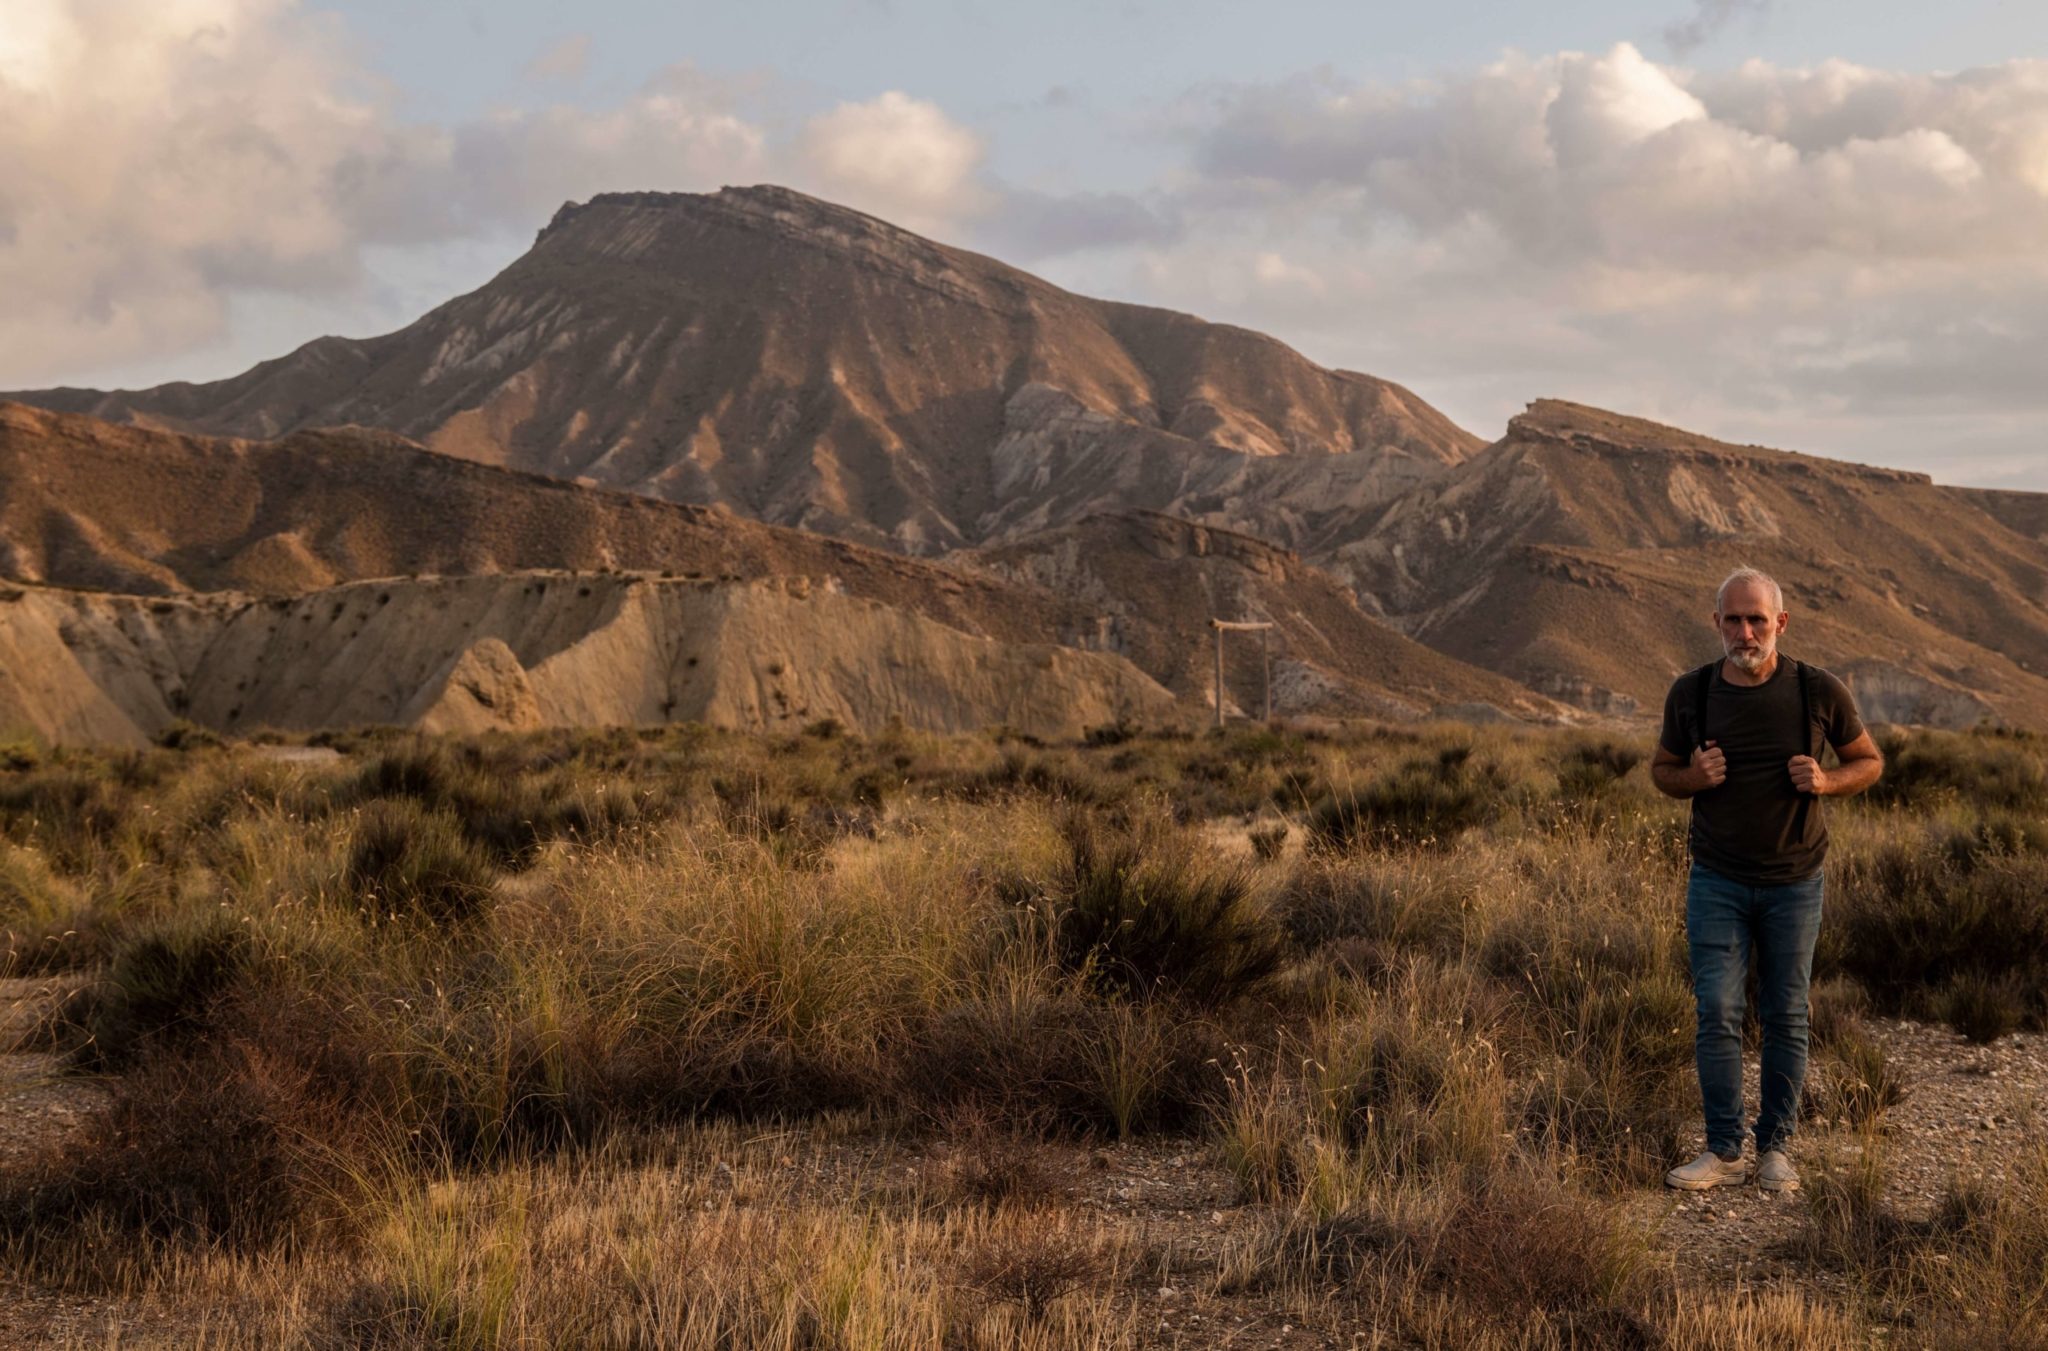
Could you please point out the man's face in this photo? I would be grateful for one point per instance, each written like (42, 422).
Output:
(1749, 628)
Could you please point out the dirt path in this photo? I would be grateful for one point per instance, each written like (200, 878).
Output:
(1967, 1112)
(40, 1108)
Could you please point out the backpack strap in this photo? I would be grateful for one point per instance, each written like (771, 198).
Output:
(1806, 683)
(1702, 682)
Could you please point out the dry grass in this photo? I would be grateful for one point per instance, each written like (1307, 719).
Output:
(691, 1039)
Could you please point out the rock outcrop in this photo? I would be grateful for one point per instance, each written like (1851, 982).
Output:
(537, 649)
(1579, 554)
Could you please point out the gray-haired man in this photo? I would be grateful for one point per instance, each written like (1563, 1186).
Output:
(1741, 739)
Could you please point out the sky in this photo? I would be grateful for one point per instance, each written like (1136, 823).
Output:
(1814, 224)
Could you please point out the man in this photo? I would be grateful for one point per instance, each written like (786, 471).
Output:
(1740, 739)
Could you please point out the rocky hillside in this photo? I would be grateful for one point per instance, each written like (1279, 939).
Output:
(1578, 555)
(1157, 581)
(535, 649)
(87, 503)
(807, 365)
(90, 504)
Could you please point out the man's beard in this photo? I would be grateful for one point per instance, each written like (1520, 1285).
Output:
(1752, 660)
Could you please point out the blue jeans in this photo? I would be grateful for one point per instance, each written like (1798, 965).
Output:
(1725, 921)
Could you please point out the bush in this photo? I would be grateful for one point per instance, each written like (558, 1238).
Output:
(1132, 923)
(214, 1150)
(72, 812)
(1058, 1062)
(162, 989)
(1520, 1244)
(1982, 1009)
(1590, 770)
(502, 806)
(1910, 923)
(407, 863)
(188, 736)
(43, 925)
(1988, 771)
(1424, 803)
(1853, 1082)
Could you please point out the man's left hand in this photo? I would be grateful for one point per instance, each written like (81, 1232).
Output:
(1808, 776)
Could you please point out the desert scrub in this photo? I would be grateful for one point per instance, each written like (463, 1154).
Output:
(1425, 803)
(41, 916)
(1143, 915)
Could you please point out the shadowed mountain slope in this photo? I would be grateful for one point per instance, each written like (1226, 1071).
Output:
(91, 504)
(808, 365)
(87, 503)
(1157, 580)
(1579, 555)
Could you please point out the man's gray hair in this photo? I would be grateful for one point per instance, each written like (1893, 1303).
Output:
(1761, 579)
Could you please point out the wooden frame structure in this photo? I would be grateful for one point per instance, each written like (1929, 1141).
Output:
(1262, 628)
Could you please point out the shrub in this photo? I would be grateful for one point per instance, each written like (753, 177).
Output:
(42, 922)
(407, 863)
(1982, 1009)
(162, 989)
(1132, 922)
(1853, 1082)
(71, 811)
(1032, 1262)
(1426, 803)
(1588, 770)
(215, 1150)
(1520, 1244)
(1911, 923)
(1988, 771)
(1267, 843)
(1057, 1061)
(188, 736)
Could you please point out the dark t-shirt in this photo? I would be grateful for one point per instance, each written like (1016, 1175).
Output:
(1755, 827)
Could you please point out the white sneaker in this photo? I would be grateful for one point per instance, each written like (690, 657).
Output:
(1775, 1173)
(1707, 1171)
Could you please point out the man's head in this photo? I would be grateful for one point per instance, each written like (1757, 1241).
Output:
(1749, 610)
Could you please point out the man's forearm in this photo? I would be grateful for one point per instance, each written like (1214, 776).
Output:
(1852, 777)
(1677, 781)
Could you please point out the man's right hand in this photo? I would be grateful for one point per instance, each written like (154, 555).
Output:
(1709, 767)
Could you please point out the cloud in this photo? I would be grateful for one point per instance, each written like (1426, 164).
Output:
(1856, 247)
(896, 156)
(564, 59)
(1707, 20)
(1025, 226)
(152, 159)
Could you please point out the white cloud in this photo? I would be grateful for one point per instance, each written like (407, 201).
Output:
(157, 161)
(895, 156)
(1859, 247)
(162, 164)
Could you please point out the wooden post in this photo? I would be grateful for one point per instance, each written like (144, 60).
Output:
(1219, 675)
(1266, 660)
(1221, 625)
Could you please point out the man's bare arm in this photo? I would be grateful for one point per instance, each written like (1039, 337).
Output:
(1862, 763)
(1684, 778)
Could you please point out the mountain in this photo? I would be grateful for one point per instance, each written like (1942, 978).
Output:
(204, 521)
(1157, 580)
(534, 649)
(87, 503)
(1579, 554)
(807, 365)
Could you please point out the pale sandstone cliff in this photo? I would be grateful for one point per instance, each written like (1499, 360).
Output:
(534, 650)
